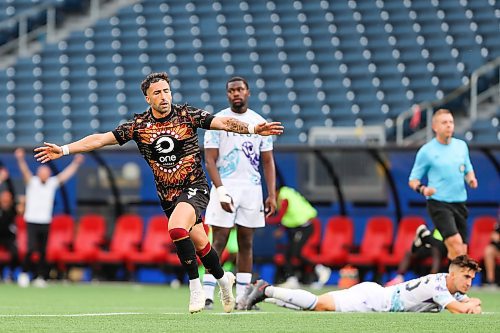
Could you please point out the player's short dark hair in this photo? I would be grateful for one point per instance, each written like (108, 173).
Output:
(237, 78)
(464, 261)
(152, 78)
(440, 112)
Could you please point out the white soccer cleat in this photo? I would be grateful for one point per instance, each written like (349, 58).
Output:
(226, 293)
(196, 300)
(323, 273)
(39, 283)
(291, 283)
(420, 233)
(23, 280)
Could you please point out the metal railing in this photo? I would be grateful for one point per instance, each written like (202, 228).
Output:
(493, 92)
(475, 99)
(24, 36)
(49, 28)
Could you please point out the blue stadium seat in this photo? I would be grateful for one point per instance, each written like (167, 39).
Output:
(331, 56)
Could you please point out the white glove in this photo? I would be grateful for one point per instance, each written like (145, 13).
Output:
(224, 196)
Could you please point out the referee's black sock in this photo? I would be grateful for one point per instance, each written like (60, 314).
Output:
(185, 251)
(210, 260)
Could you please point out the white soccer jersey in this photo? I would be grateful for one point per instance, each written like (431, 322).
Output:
(40, 200)
(239, 154)
(426, 294)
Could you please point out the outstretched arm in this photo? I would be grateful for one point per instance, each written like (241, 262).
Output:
(234, 125)
(23, 166)
(71, 169)
(52, 151)
(472, 306)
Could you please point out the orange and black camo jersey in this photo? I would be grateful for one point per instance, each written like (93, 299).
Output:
(170, 147)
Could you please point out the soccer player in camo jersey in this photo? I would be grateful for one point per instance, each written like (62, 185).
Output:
(430, 293)
(166, 137)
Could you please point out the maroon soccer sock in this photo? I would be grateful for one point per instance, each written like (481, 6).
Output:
(185, 251)
(210, 260)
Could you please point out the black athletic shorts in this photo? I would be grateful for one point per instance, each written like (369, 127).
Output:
(197, 195)
(449, 218)
(497, 229)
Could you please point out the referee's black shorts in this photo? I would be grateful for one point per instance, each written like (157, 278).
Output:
(449, 218)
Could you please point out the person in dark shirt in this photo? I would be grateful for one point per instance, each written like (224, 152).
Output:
(166, 137)
(8, 228)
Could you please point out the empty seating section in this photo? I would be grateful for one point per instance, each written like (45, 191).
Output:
(157, 248)
(60, 237)
(402, 243)
(309, 63)
(132, 245)
(126, 237)
(337, 242)
(36, 13)
(88, 240)
(480, 236)
(376, 242)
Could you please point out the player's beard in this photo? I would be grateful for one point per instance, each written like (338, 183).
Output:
(239, 107)
(163, 110)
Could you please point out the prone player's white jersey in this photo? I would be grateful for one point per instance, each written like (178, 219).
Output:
(426, 294)
(239, 154)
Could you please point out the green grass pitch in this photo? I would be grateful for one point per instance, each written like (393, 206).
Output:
(152, 308)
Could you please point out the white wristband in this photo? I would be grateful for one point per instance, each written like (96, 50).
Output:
(251, 129)
(65, 150)
(223, 195)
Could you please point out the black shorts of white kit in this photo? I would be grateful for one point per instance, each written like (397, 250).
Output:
(197, 195)
(449, 218)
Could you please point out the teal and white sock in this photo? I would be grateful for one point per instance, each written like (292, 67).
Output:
(209, 283)
(279, 302)
(242, 281)
(298, 297)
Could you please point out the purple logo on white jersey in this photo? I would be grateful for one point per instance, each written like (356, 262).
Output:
(249, 151)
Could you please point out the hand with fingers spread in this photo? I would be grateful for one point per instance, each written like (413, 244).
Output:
(272, 128)
(48, 152)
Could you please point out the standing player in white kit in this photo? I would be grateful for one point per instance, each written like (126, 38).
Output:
(232, 161)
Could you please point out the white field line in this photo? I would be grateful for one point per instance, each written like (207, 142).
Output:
(239, 313)
(117, 314)
(74, 314)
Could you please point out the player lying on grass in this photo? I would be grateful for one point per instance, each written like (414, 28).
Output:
(431, 293)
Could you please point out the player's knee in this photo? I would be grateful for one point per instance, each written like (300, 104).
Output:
(245, 241)
(204, 250)
(219, 245)
(177, 234)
